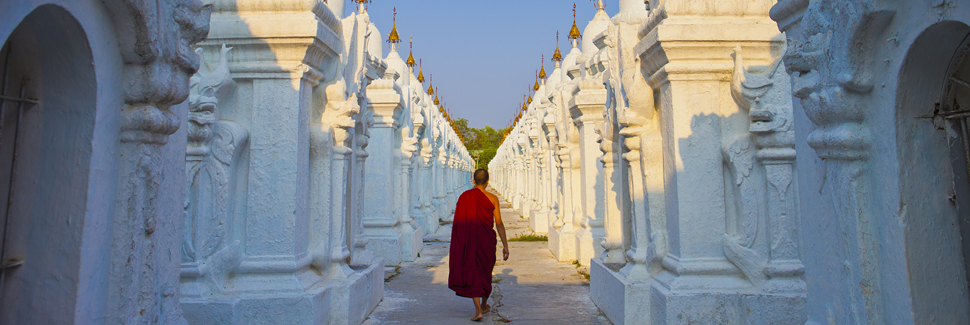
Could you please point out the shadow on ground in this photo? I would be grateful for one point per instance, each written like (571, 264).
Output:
(530, 288)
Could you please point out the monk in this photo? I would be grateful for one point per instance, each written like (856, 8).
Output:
(473, 244)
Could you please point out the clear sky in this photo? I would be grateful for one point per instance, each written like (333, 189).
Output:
(483, 54)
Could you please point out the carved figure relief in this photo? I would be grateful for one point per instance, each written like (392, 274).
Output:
(759, 164)
(213, 148)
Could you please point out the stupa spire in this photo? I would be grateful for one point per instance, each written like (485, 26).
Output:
(542, 72)
(421, 71)
(600, 6)
(436, 101)
(431, 85)
(557, 56)
(410, 62)
(574, 34)
(394, 38)
(536, 87)
(361, 6)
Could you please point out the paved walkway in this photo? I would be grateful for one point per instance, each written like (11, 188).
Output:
(530, 288)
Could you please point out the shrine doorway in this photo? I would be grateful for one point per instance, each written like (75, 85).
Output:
(933, 146)
(47, 118)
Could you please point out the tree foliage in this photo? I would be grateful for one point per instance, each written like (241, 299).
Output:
(481, 143)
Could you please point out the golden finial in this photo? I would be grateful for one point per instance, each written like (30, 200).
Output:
(436, 101)
(394, 38)
(600, 5)
(530, 99)
(360, 5)
(536, 87)
(421, 71)
(574, 32)
(542, 72)
(557, 57)
(431, 85)
(410, 61)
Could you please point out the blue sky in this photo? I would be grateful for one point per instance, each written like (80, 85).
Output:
(483, 54)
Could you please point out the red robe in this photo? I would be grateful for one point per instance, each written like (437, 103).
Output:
(472, 246)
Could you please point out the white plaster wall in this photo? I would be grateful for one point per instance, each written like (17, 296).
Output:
(909, 227)
(95, 212)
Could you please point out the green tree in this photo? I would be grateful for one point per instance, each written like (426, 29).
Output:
(482, 143)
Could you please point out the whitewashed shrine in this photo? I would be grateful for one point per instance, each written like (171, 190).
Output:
(735, 162)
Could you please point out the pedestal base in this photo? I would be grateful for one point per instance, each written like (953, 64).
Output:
(563, 244)
(740, 306)
(413, 244)
(588, 245)
(539, 222)
(347, 301)
(623, 301)
(359, 294)
(387, 246)
(553, 242)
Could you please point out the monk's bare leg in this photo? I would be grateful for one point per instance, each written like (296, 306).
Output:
(485, 307)
(478, 309)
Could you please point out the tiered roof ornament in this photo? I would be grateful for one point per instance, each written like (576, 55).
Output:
(542, 72)
(410, 62)
(431, 85)
(536, 86)
(361, 5)
(557, 56)
(574, 33)
(394, 37)
(421, 71)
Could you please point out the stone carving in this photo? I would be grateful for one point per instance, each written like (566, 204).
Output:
(155, 40)
(766, 99)
(339, 112)
(830, 60)
(208, 249)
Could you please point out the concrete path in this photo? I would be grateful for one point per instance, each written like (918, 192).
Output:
(530, 288)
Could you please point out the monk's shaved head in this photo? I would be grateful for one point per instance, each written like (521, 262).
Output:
(481, 177)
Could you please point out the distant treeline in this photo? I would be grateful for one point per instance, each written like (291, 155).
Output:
(481, 143)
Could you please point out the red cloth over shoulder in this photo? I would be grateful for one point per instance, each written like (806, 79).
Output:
(472, 246)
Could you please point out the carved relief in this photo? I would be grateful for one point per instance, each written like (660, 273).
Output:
(762, 203)
(831, 63)
(213, 146)
(155, 40)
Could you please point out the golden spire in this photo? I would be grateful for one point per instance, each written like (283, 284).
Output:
(360, 5)
(542, 72)
(410, 61)
(394, 38)
(436, 101)
(421, 71)
(574, 32)
(530, 99)
(557, 57)
(536, 87)
(431, 85)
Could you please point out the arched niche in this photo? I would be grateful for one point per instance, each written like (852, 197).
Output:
(45, 154)
(932, 148)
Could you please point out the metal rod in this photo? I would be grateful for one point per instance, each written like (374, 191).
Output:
(25, 100)
(10, 188)
(956, 114)
(6, 224)
(966, 144)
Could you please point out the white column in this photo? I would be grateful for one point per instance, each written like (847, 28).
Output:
(381, 223)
